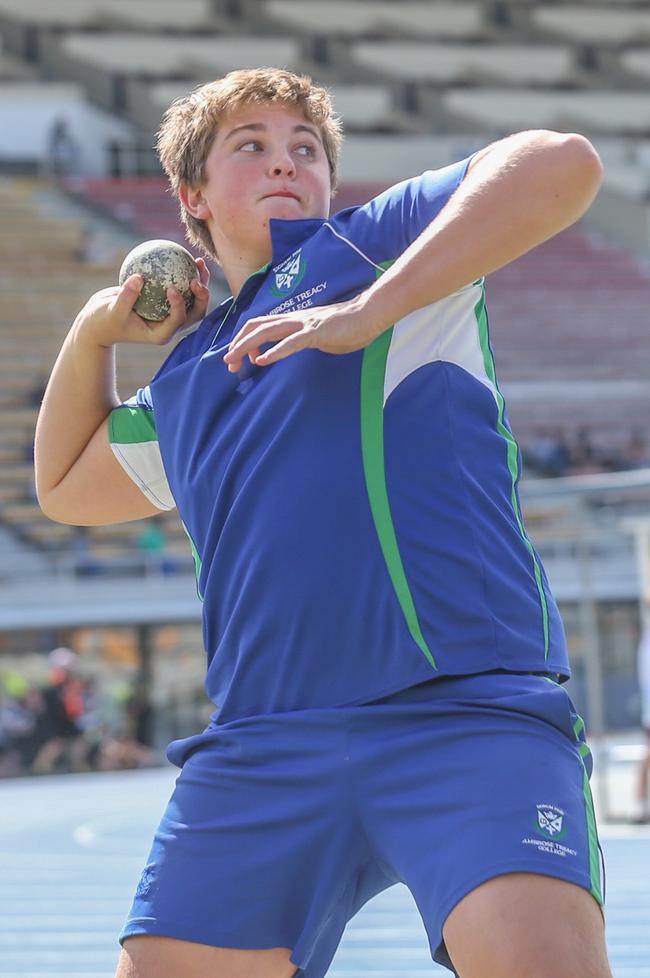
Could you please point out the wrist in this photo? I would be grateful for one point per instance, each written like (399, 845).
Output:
(86, 337)
(371, 309)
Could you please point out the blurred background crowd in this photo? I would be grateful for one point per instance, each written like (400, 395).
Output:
(70, 722)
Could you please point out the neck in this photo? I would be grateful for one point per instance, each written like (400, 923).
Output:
(239, 262)
(237, 275)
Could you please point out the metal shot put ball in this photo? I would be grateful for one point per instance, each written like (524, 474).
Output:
(161, 264)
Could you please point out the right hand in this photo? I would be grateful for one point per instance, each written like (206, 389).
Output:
(108, 316)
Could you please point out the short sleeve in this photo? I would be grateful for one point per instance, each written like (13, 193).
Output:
(386, 225)
(428, 194)
(134, 441)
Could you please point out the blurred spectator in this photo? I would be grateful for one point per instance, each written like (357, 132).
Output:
(139, 715)
(549, 453)
(151, 543)
(123, 753)
(584, 456)
(642, 800)
(86, 564)
(116, 729)
(635, 454)
(63, 710)
(63, 151)
(20, 729)
(72, 723)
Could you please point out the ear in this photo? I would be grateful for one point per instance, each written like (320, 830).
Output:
(194, 202)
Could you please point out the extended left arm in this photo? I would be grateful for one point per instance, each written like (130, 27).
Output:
(518, 192)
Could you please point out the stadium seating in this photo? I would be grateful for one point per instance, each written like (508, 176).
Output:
(96, 13)
(161, 55)
(584, 297)
(164, 14)
(636, 61)
(364, 107)
(359, 19)
(14, 69)
(101, 61)
(595, 111)
(44, 282)
(146, 100)
(595, 25)
(142, 202)
(441, 63)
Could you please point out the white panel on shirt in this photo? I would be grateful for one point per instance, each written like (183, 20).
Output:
(143, 463)
(446, 330)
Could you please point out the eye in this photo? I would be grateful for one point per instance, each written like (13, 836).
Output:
(306, 149)
(251, 146)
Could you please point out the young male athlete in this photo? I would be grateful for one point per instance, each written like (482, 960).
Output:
(384, 654)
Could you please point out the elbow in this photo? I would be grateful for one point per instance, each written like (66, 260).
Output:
(585, 155)
(48, 509)
(50, 505)
(43, 495)
(583, 169)
(57, 516)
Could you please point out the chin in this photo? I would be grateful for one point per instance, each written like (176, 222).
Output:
(286, 208)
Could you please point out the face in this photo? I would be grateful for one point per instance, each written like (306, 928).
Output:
(266, 161)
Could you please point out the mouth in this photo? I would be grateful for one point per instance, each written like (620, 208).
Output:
(283, 193)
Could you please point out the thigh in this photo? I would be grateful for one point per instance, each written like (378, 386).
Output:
(530, 926)
(491, 781)
(164, 957)
(258, 847)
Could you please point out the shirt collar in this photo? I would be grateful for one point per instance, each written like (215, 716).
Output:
(287, 235)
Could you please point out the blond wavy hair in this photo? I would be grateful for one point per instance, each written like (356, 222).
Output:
(191, 122)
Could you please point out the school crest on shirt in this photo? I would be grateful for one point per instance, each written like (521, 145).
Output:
(550, 821)
(288, 275)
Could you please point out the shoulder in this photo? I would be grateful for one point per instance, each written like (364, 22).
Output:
(429, 191)
(391, 220)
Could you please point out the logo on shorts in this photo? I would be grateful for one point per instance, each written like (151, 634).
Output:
(550, 821)
(146, 882)
(549, 828)
(288, 274)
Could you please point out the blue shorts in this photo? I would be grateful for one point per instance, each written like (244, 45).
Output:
(282, 826)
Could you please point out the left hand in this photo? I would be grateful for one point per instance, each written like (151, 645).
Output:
(339, 328)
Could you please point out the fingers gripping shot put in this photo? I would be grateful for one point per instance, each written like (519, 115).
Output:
(384, 654)
(162, 265)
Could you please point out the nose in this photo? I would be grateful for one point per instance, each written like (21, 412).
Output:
(283, 165)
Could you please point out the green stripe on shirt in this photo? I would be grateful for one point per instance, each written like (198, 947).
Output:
(512, 458)
(373, 373)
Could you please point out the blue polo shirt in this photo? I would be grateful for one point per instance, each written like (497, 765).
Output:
(354, 518)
